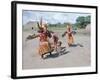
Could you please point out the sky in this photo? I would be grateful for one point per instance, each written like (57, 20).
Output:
(50, 17)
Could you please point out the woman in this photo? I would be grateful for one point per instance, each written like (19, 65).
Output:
(44, 35)
(69, 34)
(44, 45)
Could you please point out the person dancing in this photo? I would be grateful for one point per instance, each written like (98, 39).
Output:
(69, 34)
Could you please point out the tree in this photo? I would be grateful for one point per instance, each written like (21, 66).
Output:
(88, 19)
(82, 21)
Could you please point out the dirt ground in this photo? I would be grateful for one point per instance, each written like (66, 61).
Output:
(75, 56)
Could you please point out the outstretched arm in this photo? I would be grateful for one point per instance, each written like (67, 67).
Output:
(32, 36)
(64, 33)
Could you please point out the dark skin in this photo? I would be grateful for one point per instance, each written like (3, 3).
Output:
(47, 32)
(69, 33)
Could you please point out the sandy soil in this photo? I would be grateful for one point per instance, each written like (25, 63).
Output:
(75, 56)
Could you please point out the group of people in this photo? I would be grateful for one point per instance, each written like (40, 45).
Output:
(49, 41)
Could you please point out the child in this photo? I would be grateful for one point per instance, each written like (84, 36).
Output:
(57, 44)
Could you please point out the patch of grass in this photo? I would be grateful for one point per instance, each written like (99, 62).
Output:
(57, 29)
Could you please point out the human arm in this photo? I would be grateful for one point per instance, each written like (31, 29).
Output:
(32, 36)
(64, 33)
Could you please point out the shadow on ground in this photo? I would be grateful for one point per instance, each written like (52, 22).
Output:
(75, 45)
(55, 55)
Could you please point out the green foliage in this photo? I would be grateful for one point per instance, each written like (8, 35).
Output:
(57, 25)
(81, 21)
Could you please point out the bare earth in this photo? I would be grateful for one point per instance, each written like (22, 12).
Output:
(75, 56)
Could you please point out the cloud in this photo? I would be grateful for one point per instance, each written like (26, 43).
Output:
(50, 17)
